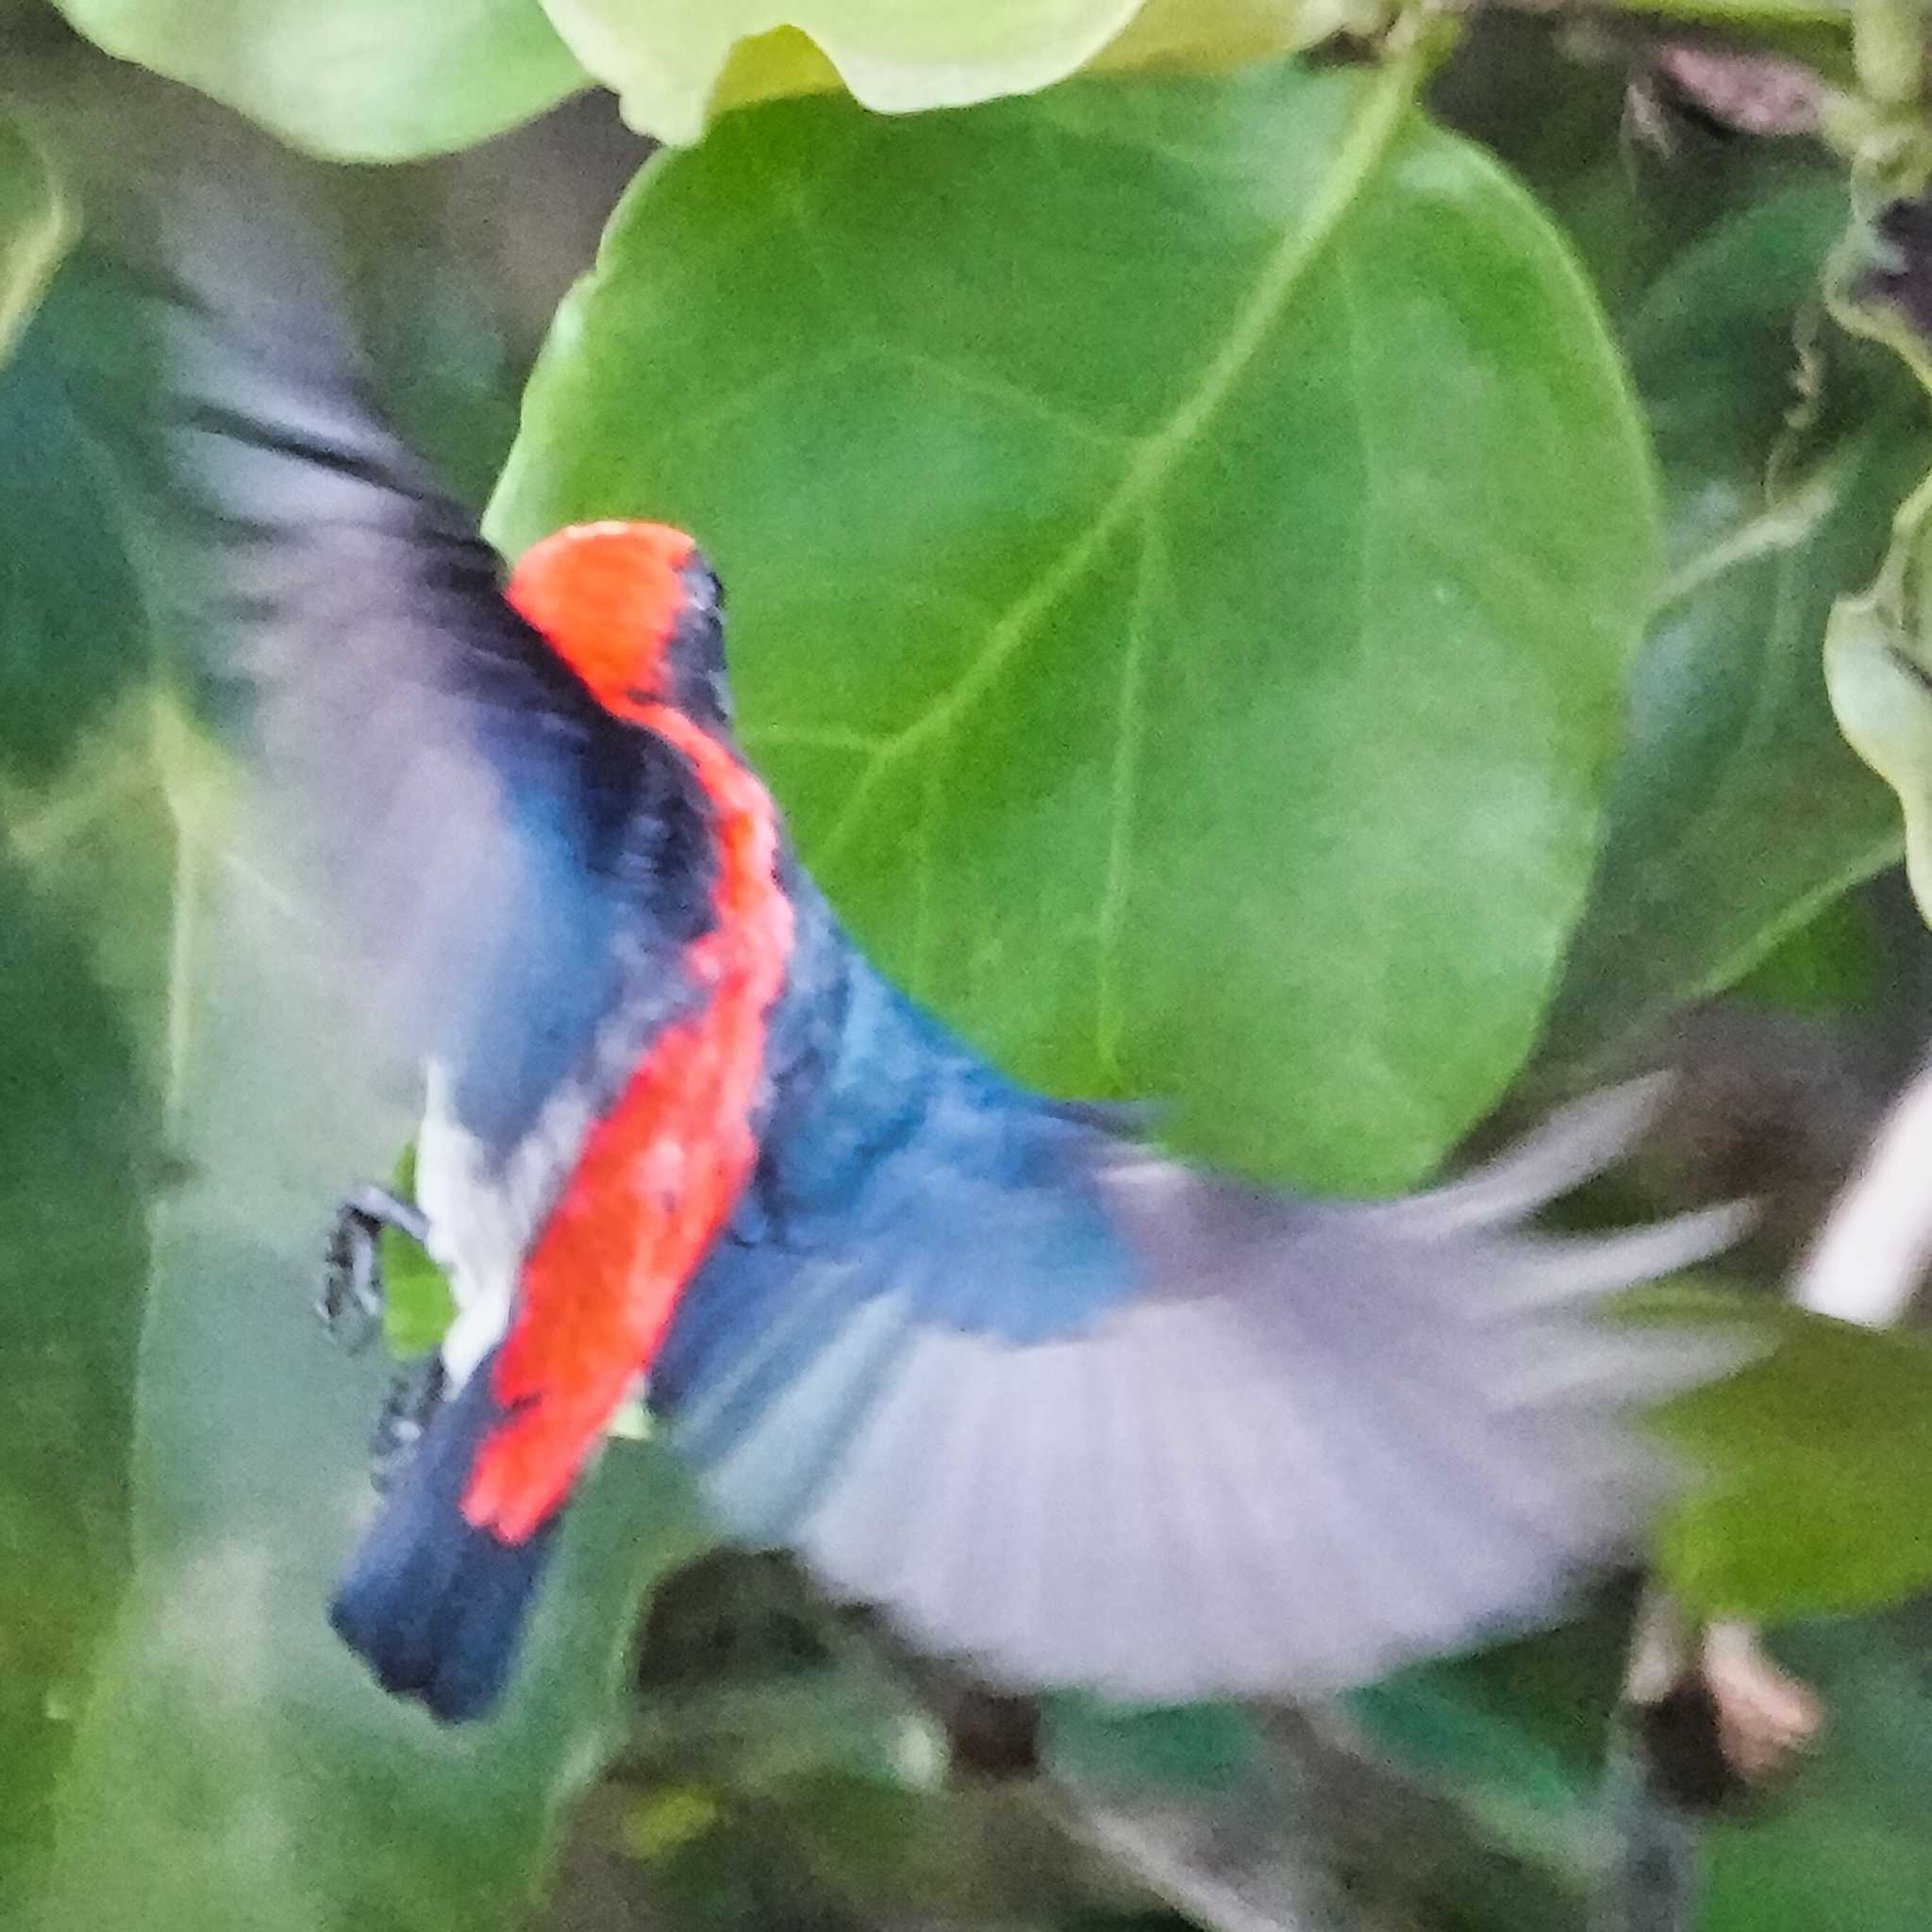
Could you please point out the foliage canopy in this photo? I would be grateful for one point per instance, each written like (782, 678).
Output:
(1292, 584)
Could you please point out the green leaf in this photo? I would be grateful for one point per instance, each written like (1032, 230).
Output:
(418, 1306)
(357, 79)
(77, 1153)
(1841, 1844)
(82, 1154)
(1879, 649)
(198, 1744)
(1846, 1845)
(1737, 810)
(1184, 544)
(665, 57)
(35, 225)
(1831, 964)
(1176, 1751)
(1771, 13)
(1879, 663)
(1814, 1468)
(677, 62)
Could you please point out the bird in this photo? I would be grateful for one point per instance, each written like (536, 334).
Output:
(1056, 1402)
(1063, 1407)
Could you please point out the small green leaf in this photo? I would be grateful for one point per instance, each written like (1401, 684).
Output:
(418, 1306)
(665, 1820)
(365, 80)
(35, 225)
(1814, 1477)
(1194, 676)
(1737, 810)
(1832, 964)
(1879, 663)
(1879, 649)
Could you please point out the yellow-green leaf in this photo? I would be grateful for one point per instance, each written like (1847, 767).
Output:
(417, 1306)
(906, 56)
(34, 227)
(1814, 1467)
(371, 80)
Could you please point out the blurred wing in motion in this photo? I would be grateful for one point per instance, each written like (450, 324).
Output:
(447, 790)
(1091, 1418)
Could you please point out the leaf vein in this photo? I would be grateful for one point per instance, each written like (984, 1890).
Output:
(1109, 1019)
(997, 388)
(1386, 101)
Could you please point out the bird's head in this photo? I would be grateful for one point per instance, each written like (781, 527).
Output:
(634, 610)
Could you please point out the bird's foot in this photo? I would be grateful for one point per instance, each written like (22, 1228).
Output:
(351, 1300)
(414, 1397)
(1719, 1716)
(1766, 1718)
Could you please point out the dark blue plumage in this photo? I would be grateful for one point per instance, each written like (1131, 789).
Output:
(435, 1605)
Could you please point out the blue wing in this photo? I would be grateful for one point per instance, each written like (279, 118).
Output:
(1085, 1417)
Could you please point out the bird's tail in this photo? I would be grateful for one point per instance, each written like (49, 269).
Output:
(433, 1604)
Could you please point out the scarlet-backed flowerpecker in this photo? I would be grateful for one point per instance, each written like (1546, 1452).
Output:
(1058, 1405)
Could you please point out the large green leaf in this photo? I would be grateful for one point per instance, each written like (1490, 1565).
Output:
(81, 831)
(1185, 541)
(359, 79)
(1737, 809)
(34, 227)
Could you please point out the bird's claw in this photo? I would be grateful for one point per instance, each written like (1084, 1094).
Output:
(414, 1397)
(350, 1303)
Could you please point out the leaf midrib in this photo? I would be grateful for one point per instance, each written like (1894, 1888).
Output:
(1372, 127)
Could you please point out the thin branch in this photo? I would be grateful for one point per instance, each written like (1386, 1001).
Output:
(1875, 1245)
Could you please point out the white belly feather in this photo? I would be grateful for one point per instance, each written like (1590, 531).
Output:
(485, 1212)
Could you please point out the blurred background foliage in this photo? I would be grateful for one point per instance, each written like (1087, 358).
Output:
(1296, 588)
